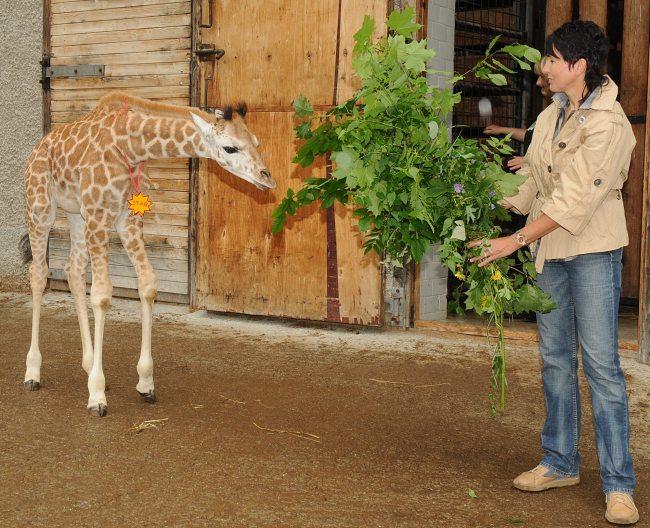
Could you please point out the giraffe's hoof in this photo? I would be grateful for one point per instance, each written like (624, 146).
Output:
(32, 385)
(98, 410)
(149, 397)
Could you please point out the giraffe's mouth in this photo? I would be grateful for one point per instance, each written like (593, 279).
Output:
(264, 181)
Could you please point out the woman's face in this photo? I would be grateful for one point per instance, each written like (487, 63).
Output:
(542, 84)
(560, 74)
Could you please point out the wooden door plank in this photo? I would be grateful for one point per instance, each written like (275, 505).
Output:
(118, 83)
(65, 6)
(96, 15)
(77, 50)
(557, 13)
(130, 35)
(594, 10)
(359, 275)
(633, 97)
(122, 25)
(91, 95)
(644, 268)
(125, 58)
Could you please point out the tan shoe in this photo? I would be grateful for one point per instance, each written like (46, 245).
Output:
(621, 508)
(536, 480)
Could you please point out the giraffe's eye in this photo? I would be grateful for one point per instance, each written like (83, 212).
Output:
(231, 150)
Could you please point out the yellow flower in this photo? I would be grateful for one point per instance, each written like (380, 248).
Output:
(496, 276)
(459, 275)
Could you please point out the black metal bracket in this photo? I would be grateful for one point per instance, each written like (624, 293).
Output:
(209, 53)
(45, 64)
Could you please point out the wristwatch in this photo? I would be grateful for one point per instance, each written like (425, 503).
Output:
(520, 238)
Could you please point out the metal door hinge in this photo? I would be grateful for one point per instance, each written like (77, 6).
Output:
(79, 70)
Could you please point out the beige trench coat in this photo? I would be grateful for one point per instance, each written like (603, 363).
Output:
(576, 178)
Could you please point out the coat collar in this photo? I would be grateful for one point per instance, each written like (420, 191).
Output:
(602, 98)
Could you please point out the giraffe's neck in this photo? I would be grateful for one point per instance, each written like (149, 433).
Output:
(141, 137)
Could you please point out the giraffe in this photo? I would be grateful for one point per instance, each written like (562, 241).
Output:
(87, 168)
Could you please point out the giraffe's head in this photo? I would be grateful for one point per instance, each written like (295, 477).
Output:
(233, 146)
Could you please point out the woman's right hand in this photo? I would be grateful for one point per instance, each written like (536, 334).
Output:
(514, 164)
(494, 130)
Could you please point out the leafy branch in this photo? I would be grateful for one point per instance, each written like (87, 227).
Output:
(410, 184)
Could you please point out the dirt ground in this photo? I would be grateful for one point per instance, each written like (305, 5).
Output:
(400, 425)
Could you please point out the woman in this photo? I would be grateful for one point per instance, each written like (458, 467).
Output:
(577, 163)
(523, 135)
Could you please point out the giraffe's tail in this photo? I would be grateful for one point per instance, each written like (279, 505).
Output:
(25, 248)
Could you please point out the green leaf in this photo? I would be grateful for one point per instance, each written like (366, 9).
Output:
(403, 22)
(433, 129)
(345, 158)
(509, 182)
(503, 66)
(522, 64)
(497, 78)
(516, 522)
(517, 50)
(531, 299)
(303, 131)
(459, 231)
(533, 55)
(362, 38)
(492, 43)
(472, 494)
(302, 107)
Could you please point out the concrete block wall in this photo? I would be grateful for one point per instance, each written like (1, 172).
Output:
(21, 37)
(433, 275)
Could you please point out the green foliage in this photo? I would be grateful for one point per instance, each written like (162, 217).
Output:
(411, 185)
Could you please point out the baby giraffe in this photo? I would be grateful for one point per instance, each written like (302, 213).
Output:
(91, 168)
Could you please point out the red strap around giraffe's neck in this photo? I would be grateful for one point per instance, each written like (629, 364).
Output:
(135, 181)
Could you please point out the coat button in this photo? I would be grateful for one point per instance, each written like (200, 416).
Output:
(618, 194)
(562, 144)
(550, 169)
(537, 195)
(597, 182)
(581, 119)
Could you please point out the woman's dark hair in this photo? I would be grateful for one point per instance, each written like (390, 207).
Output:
(582, 39)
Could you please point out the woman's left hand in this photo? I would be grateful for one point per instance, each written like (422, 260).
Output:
(494, 249)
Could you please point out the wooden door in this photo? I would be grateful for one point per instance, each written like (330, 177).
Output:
(316, 269)
(143, 47)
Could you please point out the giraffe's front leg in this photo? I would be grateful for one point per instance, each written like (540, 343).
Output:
(75, 270)
(101, 292)
(130, 231)
(147, 290)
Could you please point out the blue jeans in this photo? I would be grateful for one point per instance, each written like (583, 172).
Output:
(586, 290)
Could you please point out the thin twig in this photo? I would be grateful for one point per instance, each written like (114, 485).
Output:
(149, 424)
(417, 386)
(263, 404)
(299, 434)
(231, 400)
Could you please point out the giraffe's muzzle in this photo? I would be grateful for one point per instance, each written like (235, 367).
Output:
(264, 181)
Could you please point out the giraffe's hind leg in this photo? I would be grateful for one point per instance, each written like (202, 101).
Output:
(40, 211)
(130, 231)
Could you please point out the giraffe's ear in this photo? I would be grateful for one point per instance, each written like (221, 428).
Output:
(204, 128)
